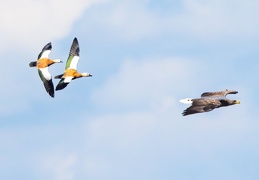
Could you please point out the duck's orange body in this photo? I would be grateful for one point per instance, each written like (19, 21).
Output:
(71, 73)
(44, 62)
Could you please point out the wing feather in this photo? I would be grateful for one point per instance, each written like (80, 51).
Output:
(45, 51)
(73, 57)
(219, 93)
(201, 105)
(72, 62)
(47, 81)
(61, 85)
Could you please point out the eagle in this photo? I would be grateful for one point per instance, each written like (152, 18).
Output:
(208, 101)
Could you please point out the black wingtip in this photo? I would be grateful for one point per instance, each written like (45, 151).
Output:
(184, 113)
(231, 91)
(75, 40)
(61, 86)
(52, 95)
(74, 50)
(47, 47)
(51, 92)
(49, 87)
(33, 64)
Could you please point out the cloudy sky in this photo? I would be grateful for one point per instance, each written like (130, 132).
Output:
(125, 122)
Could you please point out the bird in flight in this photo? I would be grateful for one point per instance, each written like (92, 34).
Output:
(209, 101)
(42, 65)
(70, 72)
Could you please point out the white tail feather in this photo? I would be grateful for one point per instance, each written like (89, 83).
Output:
(186, 100)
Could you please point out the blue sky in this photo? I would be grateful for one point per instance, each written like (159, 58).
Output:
(125, 122)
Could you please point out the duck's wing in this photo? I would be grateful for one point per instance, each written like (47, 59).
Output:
(45, 76)
(219, 93)
(73, 57)
(63, 83)
(45, 51)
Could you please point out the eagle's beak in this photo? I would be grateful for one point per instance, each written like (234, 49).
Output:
(237, 102)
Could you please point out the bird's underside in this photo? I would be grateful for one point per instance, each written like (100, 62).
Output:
(209, 101)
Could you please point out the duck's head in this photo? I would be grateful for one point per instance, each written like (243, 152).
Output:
(86, 75)
(57, 61)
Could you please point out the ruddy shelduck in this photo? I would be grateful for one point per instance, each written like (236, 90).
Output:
(70, 72)
(42, 65)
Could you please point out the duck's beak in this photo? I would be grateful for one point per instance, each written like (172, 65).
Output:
(237, 102)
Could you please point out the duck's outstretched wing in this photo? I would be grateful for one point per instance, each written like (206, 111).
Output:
(73, 57)
(45, 76)
(45, 51)
(63, 83)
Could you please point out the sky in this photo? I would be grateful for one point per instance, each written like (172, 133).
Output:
(125, 121)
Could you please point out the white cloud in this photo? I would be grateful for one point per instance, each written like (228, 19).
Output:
(132, 144)
(122, 130)
(117, 145)
(129, 20)
(213, 20)
(26, 26)
(136, 130)
(58, 166)
(27, 23)
(140, 83)
(132, 20)
(218, 19)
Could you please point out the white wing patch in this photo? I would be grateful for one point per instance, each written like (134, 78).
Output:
(74, 61)
(45, 72)
(45, 54)
(68, 79)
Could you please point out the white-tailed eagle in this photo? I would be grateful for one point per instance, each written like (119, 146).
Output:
(208, 101)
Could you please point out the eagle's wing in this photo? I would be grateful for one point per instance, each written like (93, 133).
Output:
(201, 105)
(219, 93)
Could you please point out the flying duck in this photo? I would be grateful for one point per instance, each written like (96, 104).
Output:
(208, 102)
(42, 64)
(70, 72)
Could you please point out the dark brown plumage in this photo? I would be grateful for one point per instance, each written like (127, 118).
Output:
(208, 102)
